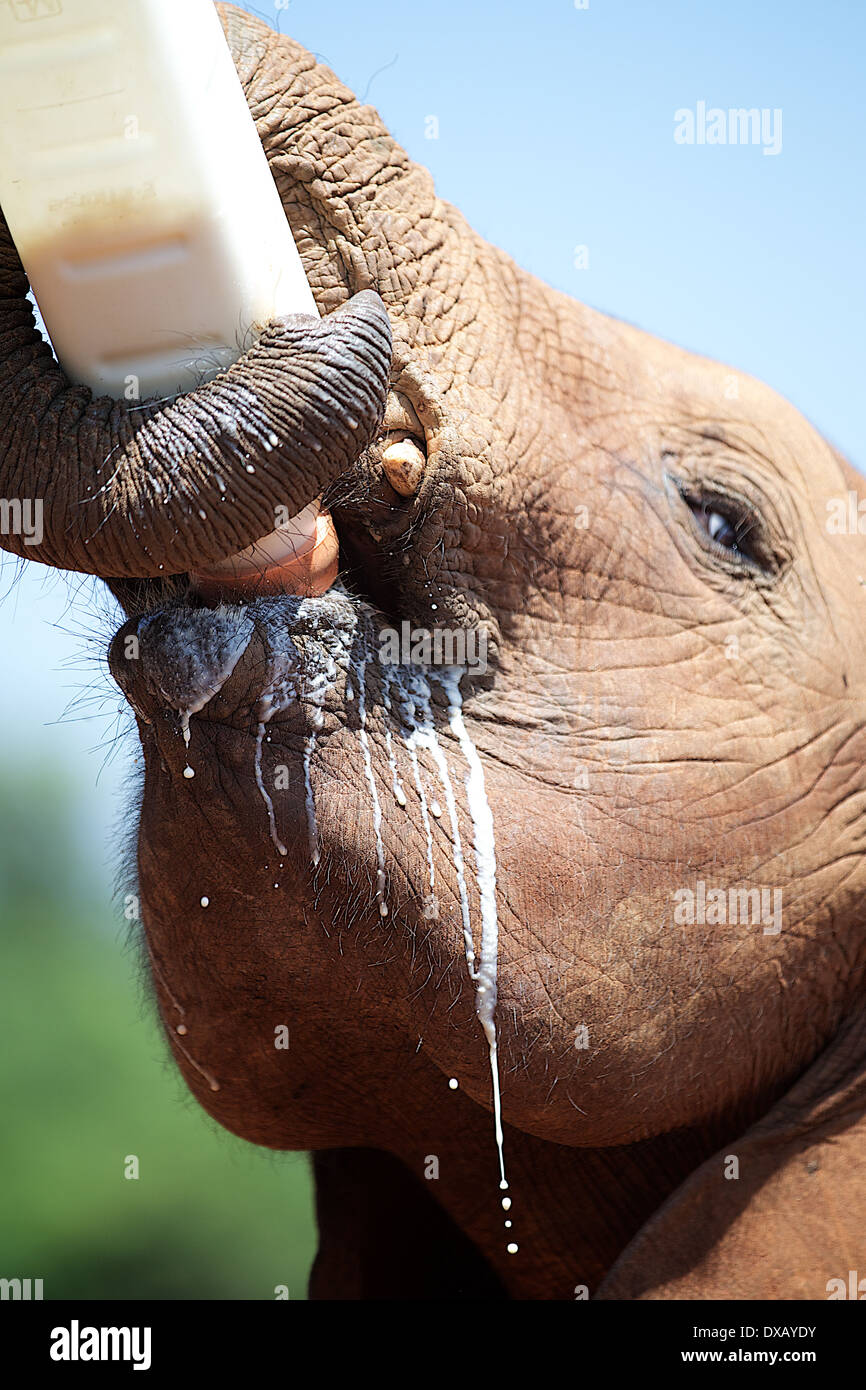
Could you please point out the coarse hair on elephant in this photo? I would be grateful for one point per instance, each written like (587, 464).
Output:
(616, 860)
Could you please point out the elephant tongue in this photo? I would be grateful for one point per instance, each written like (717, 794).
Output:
(302, 557)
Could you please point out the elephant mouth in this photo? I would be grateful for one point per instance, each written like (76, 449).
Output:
(276, 624)
(248, 661)
(192, 649)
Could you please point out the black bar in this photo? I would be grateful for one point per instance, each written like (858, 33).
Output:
(225, 1339)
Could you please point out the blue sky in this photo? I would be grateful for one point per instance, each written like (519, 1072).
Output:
(555, 130)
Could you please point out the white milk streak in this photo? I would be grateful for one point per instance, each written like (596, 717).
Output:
(321, 670)
(485, 863)
(360, 668)
(425, 736)
(396, 783)
(417, 713)
(280, 691)
(184, 728)
(315, 692)
(407, 713)
(312, 825)
(180, 1029)
(302, 667)
(266, 796)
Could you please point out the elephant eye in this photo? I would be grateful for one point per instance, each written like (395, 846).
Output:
(718, 527)
(739, 534)
(727, 525)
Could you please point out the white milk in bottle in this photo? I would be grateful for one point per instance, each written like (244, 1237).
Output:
(139, 197)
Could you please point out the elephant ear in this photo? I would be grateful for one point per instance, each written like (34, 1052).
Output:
(780, 1213)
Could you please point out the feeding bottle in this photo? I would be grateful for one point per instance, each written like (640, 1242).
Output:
(139, 197)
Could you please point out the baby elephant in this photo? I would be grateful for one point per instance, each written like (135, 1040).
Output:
(520, 874)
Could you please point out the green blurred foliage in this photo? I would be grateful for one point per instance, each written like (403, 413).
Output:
(86, 1080)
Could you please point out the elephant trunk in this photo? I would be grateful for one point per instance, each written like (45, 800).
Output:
(148, 489)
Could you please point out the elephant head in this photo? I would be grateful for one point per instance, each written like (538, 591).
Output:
(620, 857)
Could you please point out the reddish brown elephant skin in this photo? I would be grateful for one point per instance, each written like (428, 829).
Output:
(676, 696)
